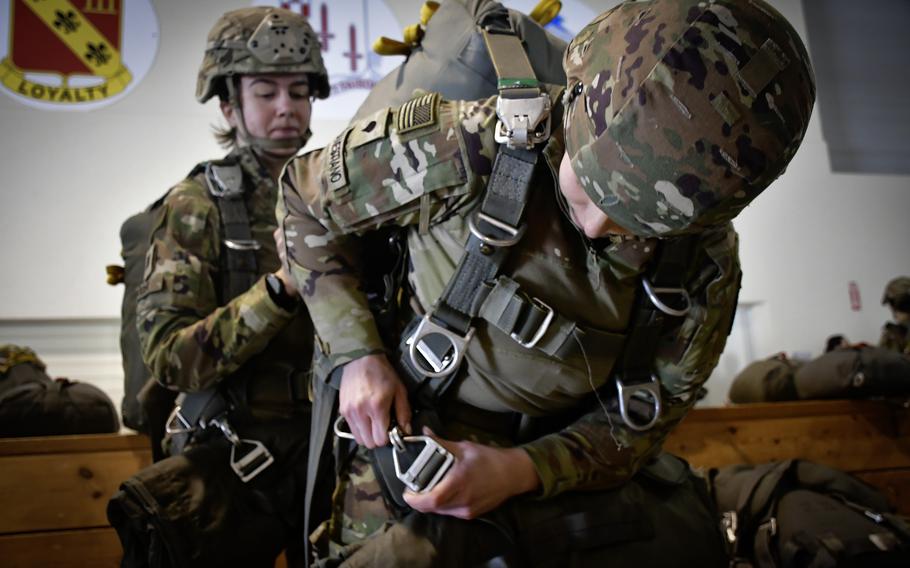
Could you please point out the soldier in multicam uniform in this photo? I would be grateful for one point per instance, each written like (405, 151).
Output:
(676, 115)
(896, 334)
(252, 345)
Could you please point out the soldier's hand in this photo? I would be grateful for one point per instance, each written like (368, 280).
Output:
(480, 480)
(370, 392)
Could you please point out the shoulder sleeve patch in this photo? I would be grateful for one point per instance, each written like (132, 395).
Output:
(418, 113)
(336, 175)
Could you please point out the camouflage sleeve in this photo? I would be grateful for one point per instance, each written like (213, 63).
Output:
(598, 451)
(401, 166)
(188, 341)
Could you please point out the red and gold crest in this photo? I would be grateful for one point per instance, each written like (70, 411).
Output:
(77, 43)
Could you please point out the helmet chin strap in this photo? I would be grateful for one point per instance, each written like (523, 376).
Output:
(259, 143)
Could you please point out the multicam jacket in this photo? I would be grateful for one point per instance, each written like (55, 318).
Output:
(191, 340)
(424, 168)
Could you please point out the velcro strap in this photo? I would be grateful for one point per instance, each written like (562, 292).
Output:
(767, 62)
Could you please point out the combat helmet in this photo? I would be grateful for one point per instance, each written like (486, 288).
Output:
(897, 294)
(680, 112)
(259, 40)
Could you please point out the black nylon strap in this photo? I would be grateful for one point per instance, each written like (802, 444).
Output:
(505, 201)
(240, 266)
(668, 269)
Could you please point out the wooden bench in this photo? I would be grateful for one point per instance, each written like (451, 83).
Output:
(54, 490)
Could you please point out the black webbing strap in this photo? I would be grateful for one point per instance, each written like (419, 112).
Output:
(663, 299)
(433, 353)
(238, 248)
(503, 206)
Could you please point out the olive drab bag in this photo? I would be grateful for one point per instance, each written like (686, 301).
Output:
(854, 372)
(768, 380)
(450, 57)
(33, 404)
(796, 513)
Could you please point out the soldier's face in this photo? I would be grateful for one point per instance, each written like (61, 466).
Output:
(586, 215)
(275, 107)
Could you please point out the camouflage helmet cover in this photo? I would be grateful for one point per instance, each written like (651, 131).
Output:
(680, 112)
(261, 40)
(897, 294)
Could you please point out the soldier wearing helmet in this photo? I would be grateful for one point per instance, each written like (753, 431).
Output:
(535, 296)
(896, 334)
(220, 320)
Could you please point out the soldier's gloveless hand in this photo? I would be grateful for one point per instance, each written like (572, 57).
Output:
(370, 392)
(284, 273)
(480, 480)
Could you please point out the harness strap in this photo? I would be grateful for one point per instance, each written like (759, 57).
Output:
(238, 251)
(436, 348)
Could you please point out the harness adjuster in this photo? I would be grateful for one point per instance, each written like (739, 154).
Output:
(432, 357)
(427, 469)
(541, 329)
(523, 122)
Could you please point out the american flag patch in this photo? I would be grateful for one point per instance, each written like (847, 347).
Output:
(417, 113)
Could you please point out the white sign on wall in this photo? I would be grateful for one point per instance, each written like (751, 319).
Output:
(75, 54)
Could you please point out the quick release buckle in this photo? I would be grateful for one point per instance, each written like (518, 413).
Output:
(177, 423)
(427, 469)
(523, 122)
(648, 392)
(434, 350)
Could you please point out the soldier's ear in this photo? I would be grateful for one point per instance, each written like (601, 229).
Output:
(227, 109)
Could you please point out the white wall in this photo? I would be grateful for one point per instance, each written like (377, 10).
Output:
(71, 178)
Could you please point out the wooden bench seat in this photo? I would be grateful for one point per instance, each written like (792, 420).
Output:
(55, 490)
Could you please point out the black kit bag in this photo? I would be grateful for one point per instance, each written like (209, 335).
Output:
(796, 513)
(33, 404)
(855, 372)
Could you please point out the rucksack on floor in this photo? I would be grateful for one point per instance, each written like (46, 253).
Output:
(33, 404)
(796, 513)
(854, 372)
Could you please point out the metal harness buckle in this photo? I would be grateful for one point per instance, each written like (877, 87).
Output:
(515, 233)
(542, 329)
(436, 360)
(242, 244)
(649, 391)
(654, 296)
(177, 423)
(522, 122)
(250, 463)
(427, 469)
